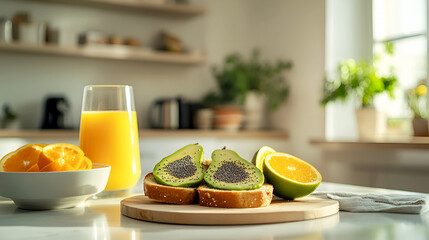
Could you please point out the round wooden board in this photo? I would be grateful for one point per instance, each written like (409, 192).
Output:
(142, 208)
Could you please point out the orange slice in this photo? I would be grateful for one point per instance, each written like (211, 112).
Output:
(86, 164)
(23, 159)
(34, 168)
(290, 176)
(60, 157)
(57, 166)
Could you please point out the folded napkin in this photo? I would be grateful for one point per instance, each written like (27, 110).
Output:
(376, 202)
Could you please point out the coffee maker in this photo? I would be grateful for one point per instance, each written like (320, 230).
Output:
(56, 109)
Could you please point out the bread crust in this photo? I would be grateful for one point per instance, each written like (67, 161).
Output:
(168, 194)
(211, 197)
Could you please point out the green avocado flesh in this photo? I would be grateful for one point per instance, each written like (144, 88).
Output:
(182, 168)
(229, 171)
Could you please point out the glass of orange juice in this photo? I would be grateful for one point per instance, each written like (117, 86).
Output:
(109, 135)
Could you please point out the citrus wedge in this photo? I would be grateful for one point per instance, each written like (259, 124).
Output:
(86, 164)
(23, 159)
(57, 166)
(291, 177)
(60, 157)
(260, 155)
(34, 168)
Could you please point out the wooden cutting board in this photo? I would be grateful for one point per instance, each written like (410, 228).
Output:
(142, 208)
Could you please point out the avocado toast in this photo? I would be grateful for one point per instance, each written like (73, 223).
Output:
(175, 177)
(229, 181)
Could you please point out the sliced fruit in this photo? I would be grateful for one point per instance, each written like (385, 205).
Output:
(291, 177)
(182, 168)
(231, 172)
(260, 155)
(60, 157)
(86, 164)
(57, 166)
(34, 168)
(22, 160)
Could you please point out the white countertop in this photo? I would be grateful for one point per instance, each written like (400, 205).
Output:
(101, 219)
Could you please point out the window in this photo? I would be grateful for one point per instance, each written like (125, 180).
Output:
(358, 29)
(403, 23)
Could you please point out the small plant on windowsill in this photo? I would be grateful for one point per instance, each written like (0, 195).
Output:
(417, 102)
(362, 80)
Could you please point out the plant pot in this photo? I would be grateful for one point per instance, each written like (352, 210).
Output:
(254, 111)
(11, 124)
(371, 123)
(420, 127)
(227, 117)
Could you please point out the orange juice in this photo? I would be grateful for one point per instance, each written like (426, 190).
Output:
(111, 137)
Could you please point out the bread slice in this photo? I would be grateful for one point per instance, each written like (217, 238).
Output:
(168, 194)
(211, 197)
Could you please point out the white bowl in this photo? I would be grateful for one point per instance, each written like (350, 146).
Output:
(53, 190)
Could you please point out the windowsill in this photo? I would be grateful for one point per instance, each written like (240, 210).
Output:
(390, 142)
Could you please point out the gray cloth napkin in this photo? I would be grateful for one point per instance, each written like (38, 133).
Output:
(375, 202)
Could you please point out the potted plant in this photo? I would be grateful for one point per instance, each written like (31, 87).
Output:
(417, 102)
(10, 118)
(362, 81)
(250, 83)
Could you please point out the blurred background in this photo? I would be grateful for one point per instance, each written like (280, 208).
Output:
(339, 83)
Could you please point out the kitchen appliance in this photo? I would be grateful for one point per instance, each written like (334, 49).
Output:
(56, 110)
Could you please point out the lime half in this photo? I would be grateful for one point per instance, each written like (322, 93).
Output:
(259, 157)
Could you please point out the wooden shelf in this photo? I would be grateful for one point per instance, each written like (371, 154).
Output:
(397, 142)
(144, 133)
(214, 133)
(137, 5)
(106, 52)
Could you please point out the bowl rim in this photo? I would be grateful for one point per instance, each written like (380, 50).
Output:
(100, 167)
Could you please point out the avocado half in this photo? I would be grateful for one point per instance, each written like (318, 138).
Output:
(229, 171)
(182, 168)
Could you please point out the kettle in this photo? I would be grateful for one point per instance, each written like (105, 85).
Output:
(55, 112)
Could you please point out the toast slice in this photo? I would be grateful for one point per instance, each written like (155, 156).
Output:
(168, 194)
(211, 197)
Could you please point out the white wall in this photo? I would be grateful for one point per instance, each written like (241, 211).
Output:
(289, 29)
(295, 30)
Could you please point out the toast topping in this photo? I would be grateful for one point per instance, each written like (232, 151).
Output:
(181, 168)
(231, 172)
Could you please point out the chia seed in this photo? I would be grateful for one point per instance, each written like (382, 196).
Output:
(231, 173)
(182, 168)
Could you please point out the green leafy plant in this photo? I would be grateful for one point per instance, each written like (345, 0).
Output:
(238, 76)
(361, 79)
(8, 114)
(417, 101)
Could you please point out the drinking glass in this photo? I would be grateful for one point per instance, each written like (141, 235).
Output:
(109, 135)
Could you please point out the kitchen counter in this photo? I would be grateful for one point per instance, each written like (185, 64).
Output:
(101, 219)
